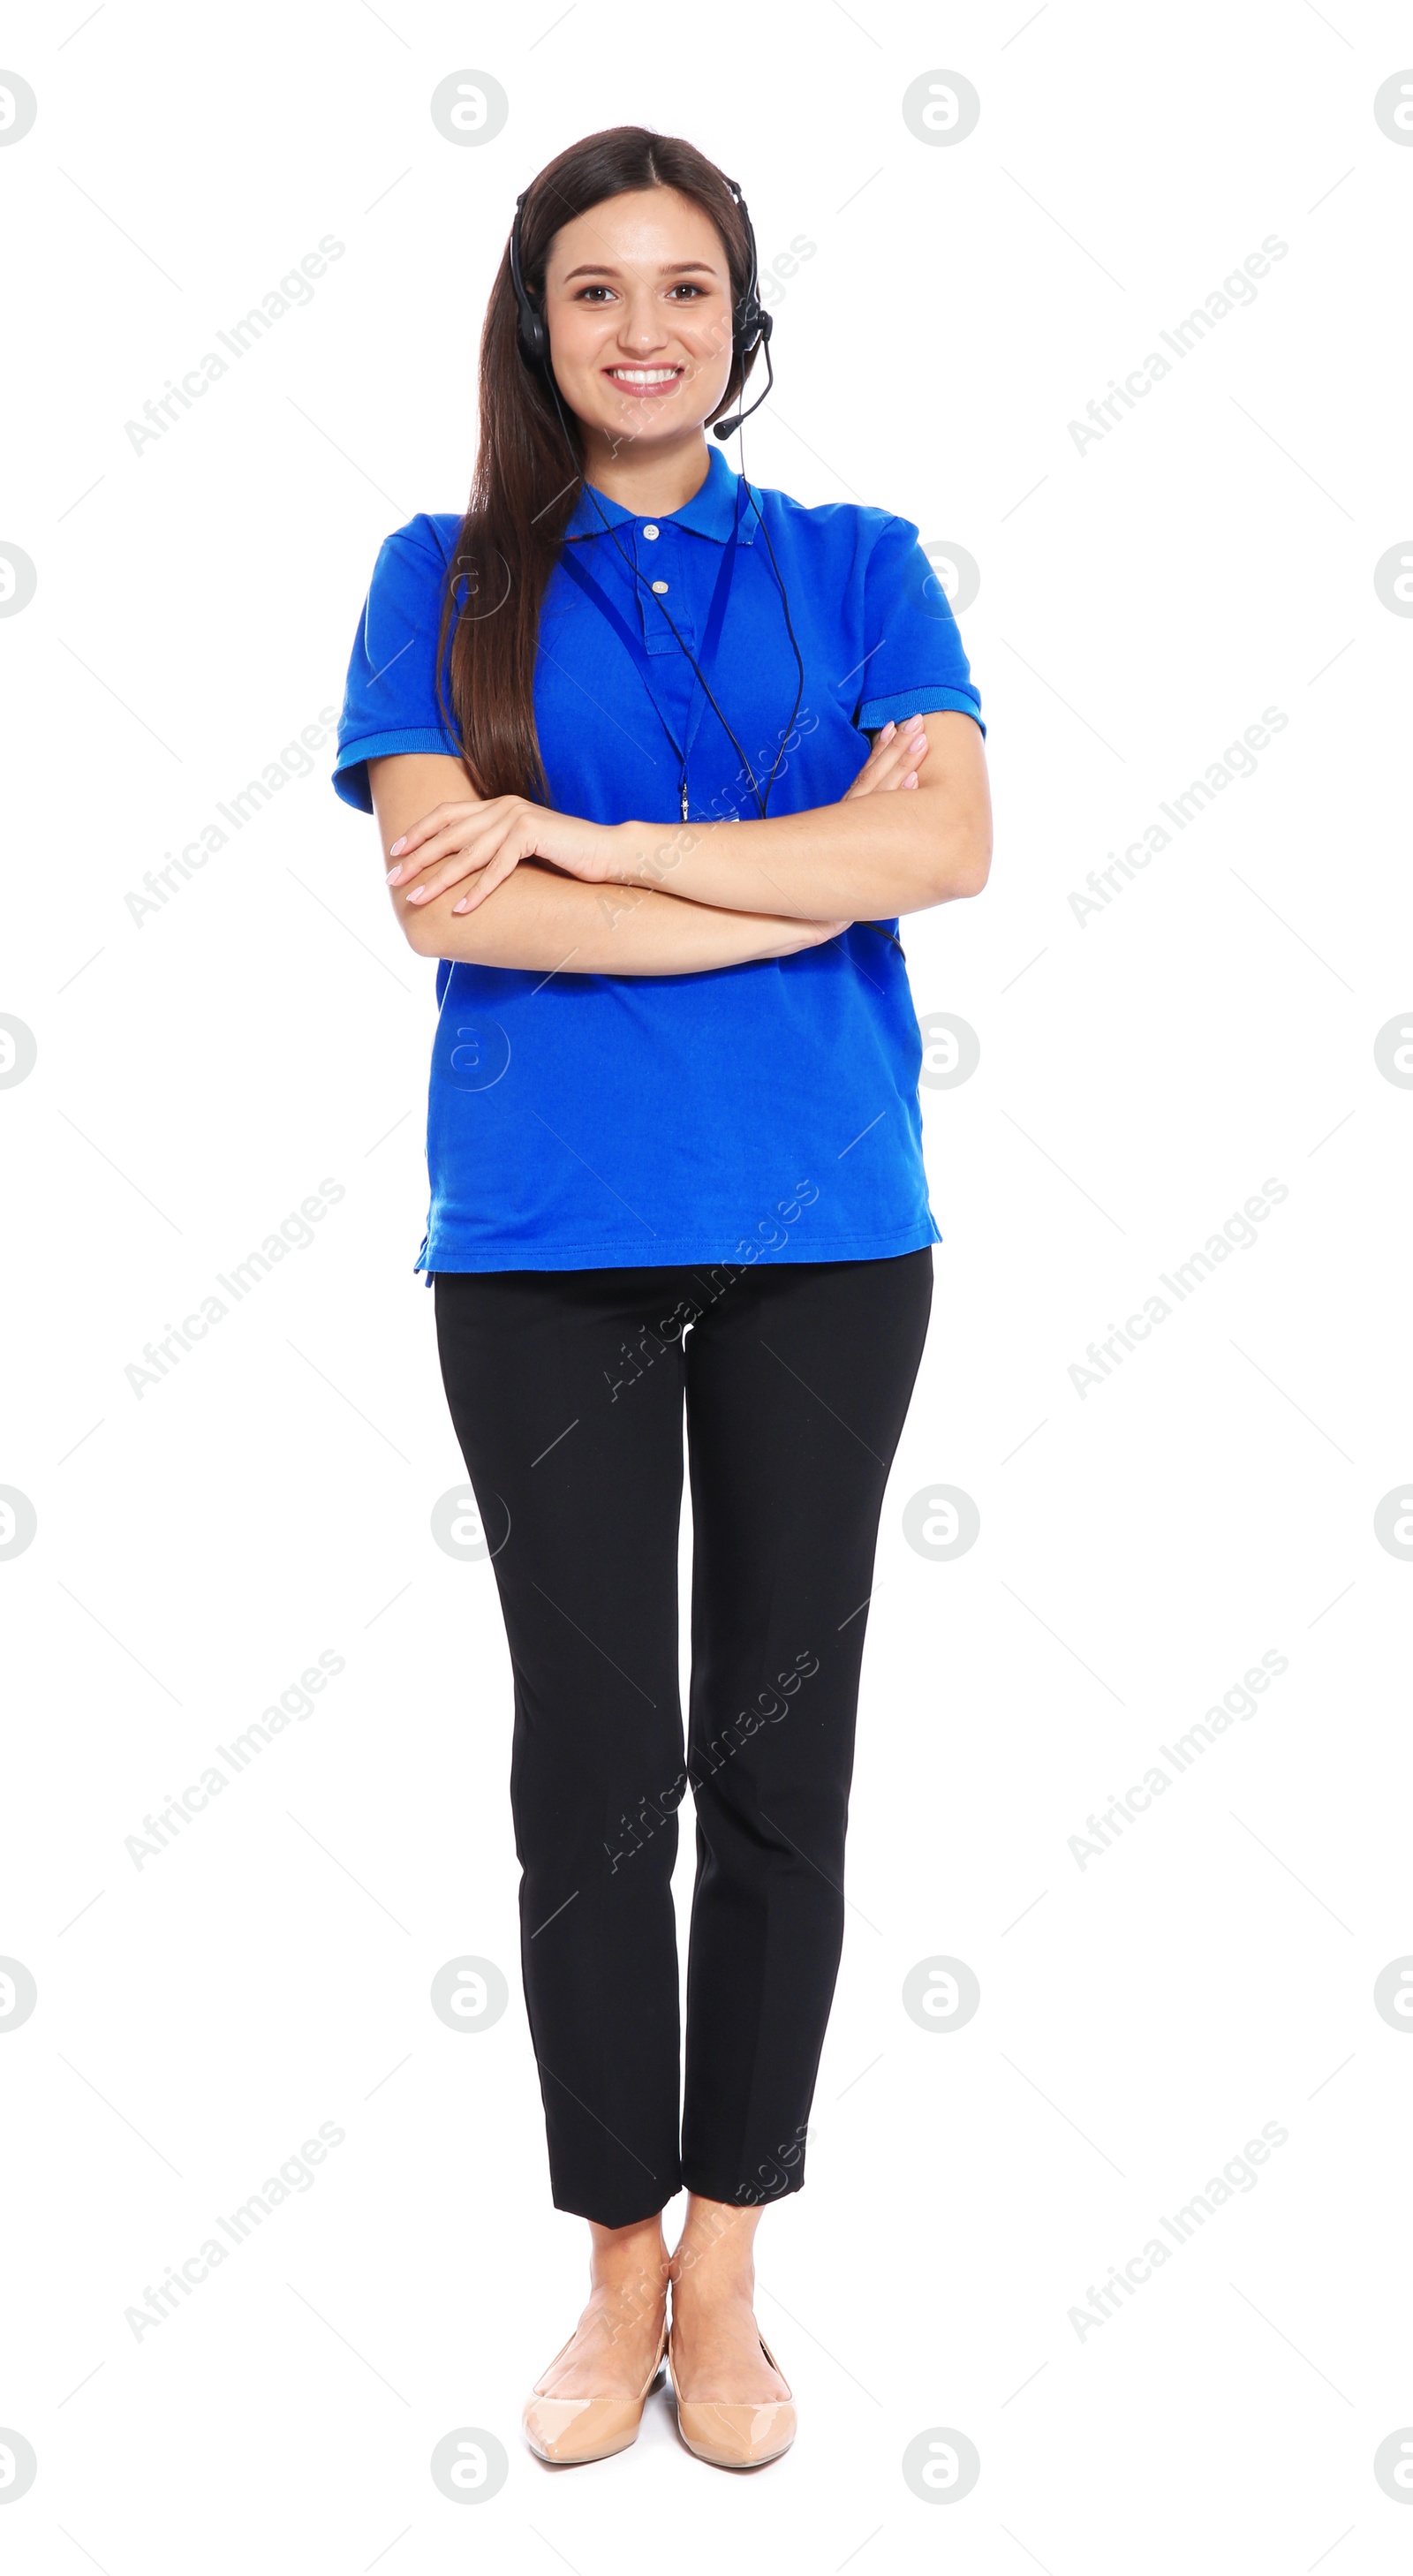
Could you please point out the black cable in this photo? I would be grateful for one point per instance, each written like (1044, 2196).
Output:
(889, 935)
(682, 647)
(785, 604)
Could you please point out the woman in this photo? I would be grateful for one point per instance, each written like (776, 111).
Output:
(610, 723)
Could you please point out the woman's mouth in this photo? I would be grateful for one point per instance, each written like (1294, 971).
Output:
(644, 381)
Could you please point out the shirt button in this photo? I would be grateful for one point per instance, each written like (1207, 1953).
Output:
(650, 530)
(659, 587)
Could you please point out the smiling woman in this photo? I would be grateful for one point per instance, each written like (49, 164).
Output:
(676, 1160)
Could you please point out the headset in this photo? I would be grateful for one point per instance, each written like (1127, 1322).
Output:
(751, 325)
(751, 328)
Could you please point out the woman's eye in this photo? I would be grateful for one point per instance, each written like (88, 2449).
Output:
(686, 287)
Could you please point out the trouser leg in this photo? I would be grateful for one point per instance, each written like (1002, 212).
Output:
(568, 1408)
(798, 1383)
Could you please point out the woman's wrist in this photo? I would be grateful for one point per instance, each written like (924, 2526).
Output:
(645, 855)
(651, 857)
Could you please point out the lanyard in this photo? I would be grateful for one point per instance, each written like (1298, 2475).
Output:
(634, 646)
(633, 643)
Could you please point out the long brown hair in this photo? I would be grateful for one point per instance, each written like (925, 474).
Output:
(525, 487)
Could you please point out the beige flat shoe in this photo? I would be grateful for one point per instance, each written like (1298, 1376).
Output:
(734, 2437)
(570, 2430)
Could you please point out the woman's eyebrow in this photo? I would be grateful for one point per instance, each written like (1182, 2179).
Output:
(667, 268)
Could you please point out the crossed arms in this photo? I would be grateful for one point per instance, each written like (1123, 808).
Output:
(503, 882)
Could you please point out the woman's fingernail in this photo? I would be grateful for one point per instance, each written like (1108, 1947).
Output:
(463, 906)
(419, 894)
(912, 781)
(392, 876)
(398, 845)
(887, 730)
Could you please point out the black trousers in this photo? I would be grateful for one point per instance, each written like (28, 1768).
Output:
(567, 1392)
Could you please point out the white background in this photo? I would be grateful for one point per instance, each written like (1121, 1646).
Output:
(1141, 1545)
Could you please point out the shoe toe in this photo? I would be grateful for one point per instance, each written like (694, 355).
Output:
(570, 2430)
(737, 2437)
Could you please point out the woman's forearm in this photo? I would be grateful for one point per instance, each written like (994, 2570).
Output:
(868, 858)
(545, 923)
(867, 861)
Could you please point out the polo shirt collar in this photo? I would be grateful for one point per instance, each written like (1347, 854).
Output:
(711, 512)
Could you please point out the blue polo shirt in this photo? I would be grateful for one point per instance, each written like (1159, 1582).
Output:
(758, 1112)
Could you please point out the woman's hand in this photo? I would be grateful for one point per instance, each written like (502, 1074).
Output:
(483, 839)
(894, 761)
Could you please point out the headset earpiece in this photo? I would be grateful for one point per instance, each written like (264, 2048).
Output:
(530, 328)
(752, 326)
(750, 323)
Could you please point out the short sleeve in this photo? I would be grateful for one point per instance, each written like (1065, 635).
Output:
(915, 664)
(390, 699)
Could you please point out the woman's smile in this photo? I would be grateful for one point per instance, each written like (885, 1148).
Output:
(644, 380)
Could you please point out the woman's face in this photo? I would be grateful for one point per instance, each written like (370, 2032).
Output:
(637, 299)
